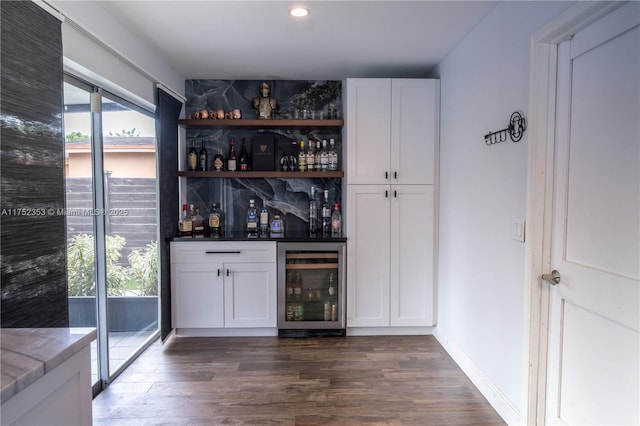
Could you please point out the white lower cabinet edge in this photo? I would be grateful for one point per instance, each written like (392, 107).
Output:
(390, 331)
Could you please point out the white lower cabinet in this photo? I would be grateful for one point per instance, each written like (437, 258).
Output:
(390, 256)
(223, 285)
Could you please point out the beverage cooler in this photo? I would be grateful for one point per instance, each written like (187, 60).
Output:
(311, 289)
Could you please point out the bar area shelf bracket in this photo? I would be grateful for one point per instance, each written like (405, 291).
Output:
(515, 131)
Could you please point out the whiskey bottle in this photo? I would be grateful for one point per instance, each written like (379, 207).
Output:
(184, 224)
(302, 158)
(313, 214)
(252, 220)
(231, 160)
(326, 215)
(192, 158)
(333, 156)
(198, 224)
(311, 157)
(317, 154)
(336, 221)
(218, 161)
(216, 222)
(244, 158)
(203, 158)
(324, 157)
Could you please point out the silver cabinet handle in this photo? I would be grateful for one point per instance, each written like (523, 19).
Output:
(224, 252)
(553, 278)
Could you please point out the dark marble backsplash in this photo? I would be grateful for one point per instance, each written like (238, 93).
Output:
(289, 197)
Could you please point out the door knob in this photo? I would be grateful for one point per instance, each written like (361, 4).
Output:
(553, 278)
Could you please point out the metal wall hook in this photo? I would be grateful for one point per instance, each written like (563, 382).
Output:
(515, 131)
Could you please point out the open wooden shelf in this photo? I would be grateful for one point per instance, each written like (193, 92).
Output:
(261, 124)
(259, 175)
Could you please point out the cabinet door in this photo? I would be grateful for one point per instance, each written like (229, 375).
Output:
(250, 294)
(368, 132)
(412, 256)
(368, 211)
(414, 130)
(197, 295)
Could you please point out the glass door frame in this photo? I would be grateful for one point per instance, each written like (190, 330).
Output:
(105, 376)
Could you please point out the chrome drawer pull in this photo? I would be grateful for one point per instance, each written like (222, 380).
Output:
(223, 252)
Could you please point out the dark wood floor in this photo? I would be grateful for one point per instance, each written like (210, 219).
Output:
(260, 381)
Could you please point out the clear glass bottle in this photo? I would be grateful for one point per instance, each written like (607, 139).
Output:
(313, 213)
(336, 221)
(244, 158)
(192, 157)
(231, 159)
(203, 158)
(324, 157)
(252, 220)
(216, 222)
(184, 224)
(318, 150)
(333, 156)
(277, 226)
(264, 221)
(311, 157)
(302, 158)
(198, 224)
(326, 215)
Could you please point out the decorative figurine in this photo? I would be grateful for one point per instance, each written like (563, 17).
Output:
(265, 104)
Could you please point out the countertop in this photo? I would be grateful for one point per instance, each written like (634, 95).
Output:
(293, 238)
(26, 354)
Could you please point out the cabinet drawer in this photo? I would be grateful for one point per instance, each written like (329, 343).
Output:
(224, 251)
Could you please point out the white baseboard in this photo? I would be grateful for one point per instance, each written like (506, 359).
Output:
(505, 408)
(225, 332)
(389, 331)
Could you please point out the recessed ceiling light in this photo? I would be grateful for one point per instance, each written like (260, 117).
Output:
(299, 12)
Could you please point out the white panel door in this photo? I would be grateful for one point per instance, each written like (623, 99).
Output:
(593, 374)
(414, 130)
(368, 123)
(197, 295)
(250, 291)
(412, 256)
(368, 219)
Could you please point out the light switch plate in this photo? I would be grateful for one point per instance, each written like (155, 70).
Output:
(517, 232)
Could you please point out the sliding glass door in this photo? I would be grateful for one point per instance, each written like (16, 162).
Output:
(111, 224)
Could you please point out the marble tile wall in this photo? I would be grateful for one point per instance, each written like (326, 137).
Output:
(32, 236)
(286, 196)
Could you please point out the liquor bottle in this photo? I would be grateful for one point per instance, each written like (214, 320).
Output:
(324, 157)
(216, 222)
(264, 221)
(313, 214)
(326, 215)
(333, 156)
(302, 158)
(198, 224)
(192, 158)
(284, 162)
(244, 158)
(289, 288)
(276, 227)
(231, 160)
(252, 220)
(336, 221)
(311, 157)
(218, 161)
(293, 162)
(318, 159)
(203, 158)
(184, 224)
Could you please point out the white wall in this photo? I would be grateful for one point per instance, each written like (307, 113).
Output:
(482, 189)
(99, 47)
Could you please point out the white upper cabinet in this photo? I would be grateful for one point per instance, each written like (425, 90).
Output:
(392, 129)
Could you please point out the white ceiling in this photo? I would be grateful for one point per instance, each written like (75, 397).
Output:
(339, 39)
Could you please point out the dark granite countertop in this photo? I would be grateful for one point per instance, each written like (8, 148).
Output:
(294, 238)
(26, 354)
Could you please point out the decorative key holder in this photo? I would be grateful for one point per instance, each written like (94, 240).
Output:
(515, 131)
